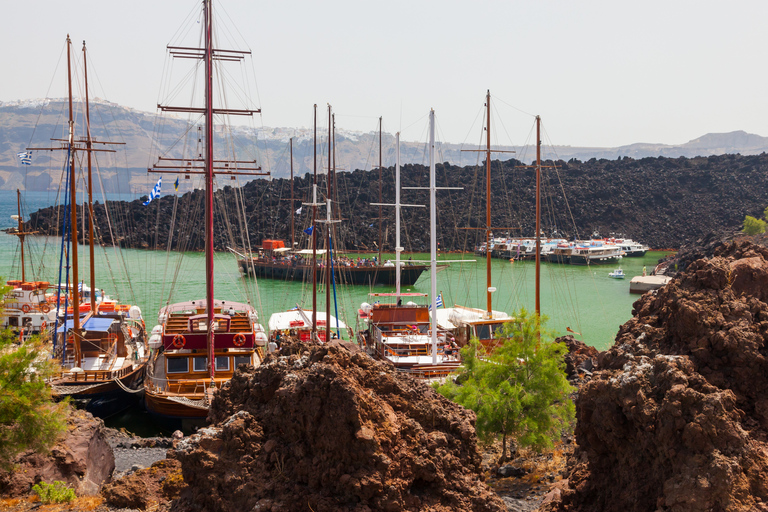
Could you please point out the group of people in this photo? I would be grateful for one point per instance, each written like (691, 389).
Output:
(340, 261)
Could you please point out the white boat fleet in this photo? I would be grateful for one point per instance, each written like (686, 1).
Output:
(560, 250)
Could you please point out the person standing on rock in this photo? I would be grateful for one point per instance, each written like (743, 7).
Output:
(643, 270)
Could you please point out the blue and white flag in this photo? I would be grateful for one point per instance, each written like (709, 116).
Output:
(26, 157)
(155, 191)
(309, 230)
(438, 301)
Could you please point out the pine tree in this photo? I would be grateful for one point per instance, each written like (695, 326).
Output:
(29, 419)
(519, 390)
(753, 226)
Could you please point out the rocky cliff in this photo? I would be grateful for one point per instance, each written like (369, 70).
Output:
(676, 417)
(660, 201)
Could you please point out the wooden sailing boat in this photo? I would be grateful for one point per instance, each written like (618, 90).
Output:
(199, 343)
(103, 354)
(405, 334)
(26, 307)
(486, 325)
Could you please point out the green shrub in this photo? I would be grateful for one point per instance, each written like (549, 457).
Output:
(753, 226)
(57, 492)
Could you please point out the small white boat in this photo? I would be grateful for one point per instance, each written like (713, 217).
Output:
(617, 274)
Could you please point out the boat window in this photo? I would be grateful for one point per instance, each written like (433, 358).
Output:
(13, 321)
(498, 330)
(200, 364)
(177, 364)
(483, 332)
(222, 363)
(242, 360)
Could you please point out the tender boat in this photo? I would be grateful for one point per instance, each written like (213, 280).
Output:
(617, 274)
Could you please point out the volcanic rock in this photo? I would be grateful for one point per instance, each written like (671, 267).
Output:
(676, 417)
(82, 459)
(155, 486)
(324, 429)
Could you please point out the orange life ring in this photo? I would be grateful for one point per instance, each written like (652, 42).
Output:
(239, 339)
(45, 307)
(25, 308)
(179, 341)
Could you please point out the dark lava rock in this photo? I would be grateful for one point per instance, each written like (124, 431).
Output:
(511, 471)
(324, 429)
(664, 202)
(82, 458)
(155, 486)
(676, 417)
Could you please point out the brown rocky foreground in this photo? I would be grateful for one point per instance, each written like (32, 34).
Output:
(676, 416)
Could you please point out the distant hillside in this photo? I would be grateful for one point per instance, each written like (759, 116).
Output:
(34, 123)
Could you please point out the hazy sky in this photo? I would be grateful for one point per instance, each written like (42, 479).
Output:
(600, 73)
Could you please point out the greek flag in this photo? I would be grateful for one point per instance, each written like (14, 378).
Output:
(438, 301)
(309, 230)
(26, 157)
(176, 185)
(298, 212)
(155, 191)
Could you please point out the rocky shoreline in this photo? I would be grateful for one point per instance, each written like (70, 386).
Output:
(663, 202)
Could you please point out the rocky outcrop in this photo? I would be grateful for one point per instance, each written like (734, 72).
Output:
(664, 202)
(676, 417)
(82, 459)
(324, 429)
(146, 488)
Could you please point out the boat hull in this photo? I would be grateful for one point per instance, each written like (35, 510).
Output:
(384, 275)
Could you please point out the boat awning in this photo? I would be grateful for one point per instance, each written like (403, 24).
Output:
(393, 294)
(309, 251)
(294, 319)
(281, 249)
(95, 324)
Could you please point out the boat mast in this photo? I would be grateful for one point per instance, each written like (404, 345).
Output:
(398, 248)
(538, 217)
(209, 181)
(328, 241)
(73, 207)
(293, 238)
(432, 234)
(21, 234)
(88, 146)
(314, 234)
(380, 195)
(488, 204)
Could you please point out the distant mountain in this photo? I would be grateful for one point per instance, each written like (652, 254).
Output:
(33, 123)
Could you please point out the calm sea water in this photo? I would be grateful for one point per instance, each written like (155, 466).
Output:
(584, 299)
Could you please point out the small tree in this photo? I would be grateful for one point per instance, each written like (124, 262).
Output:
(753, 226)
(29, 419)
(520, 389)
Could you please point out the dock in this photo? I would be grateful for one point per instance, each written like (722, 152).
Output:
(642, 284)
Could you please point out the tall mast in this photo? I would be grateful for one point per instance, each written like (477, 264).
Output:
(538, 216)
(20, 233)
(381, 241)
(293, 237)
(88, 146)
(432, 233)
(314, 234)
(398, 248)
(328, 242)
(73, 208)
(488, 204)
(209, 181)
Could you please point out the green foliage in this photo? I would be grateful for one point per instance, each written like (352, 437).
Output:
(753, 226)
(518, 390)
(29, 419)
(57, 492)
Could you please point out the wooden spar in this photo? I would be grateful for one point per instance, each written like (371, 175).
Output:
(381, 241)
(209, 183)
(314, 235)
(538, 216)
(293, 237)
(398, 248)
(488, 205)
(73, 208)
(328, 240)
(88, 146)
(432, 233)
(21, 235)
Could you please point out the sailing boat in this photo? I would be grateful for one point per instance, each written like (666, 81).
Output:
(404, 334)
(103, 354)
(486, 325)
(276, 261)
(199, 343)
(26, 307)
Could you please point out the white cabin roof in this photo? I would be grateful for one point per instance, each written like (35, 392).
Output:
(282, 321)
